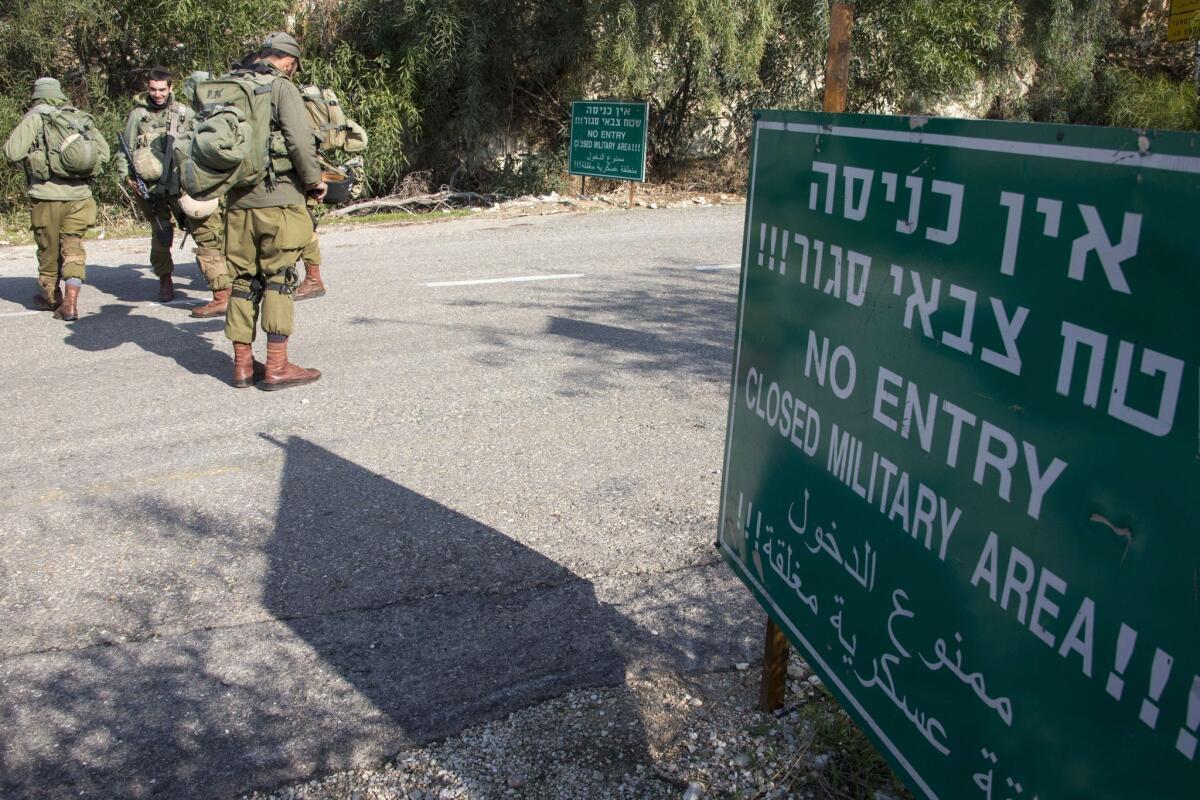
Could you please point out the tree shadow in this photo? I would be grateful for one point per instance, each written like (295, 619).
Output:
(113, 325)
(391, 619)
(677, 323)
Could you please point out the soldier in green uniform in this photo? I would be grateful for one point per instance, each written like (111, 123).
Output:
(155, 120)
(267, 226)
(62, 208)
(207, 230)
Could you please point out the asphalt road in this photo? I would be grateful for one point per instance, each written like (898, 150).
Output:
(498, 491)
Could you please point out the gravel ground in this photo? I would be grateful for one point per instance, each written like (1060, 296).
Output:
(654, 737)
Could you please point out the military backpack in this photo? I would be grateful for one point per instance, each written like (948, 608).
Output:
(69, 146)
(232, 142)
(329, 120)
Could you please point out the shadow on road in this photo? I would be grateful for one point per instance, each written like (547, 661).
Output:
(390, 619)
(113, 325)
(20, 290)
(681, 324)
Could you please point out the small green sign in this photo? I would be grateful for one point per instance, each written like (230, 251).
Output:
(963, 457)
(608, 139)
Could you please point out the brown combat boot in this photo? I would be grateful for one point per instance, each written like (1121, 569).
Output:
(40, 301)
(280, 373)
(312, 285)
(246, 371)
(68, 309)
(166, 289)
(215, 307)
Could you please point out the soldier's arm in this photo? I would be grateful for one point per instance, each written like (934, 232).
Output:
(297, 133)
(131, 127)
(22, 138)
(102, 148)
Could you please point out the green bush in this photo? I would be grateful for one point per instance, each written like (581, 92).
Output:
(1154, 101)
(478, 94)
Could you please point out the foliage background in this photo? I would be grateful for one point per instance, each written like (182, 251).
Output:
(478, 93)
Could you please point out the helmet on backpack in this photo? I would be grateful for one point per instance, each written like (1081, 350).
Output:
(191, 82)
(198, 209)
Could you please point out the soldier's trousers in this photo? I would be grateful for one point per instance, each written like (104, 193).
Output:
(209, 234)
(311, 255)
(160, 254)
(261, 246)
(58, 228)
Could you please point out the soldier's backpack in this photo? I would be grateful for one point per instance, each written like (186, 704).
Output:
(328, 119)
(231, 142)
(70, 146)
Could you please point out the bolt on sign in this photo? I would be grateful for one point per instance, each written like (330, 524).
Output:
(1181, 23)
(608, 139)
(963, 457)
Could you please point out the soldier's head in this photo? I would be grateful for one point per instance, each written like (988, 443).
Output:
(158, 86)
(48, 89)
(281, 51)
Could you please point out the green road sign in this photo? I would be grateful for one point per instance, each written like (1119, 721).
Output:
(608, 139)
(963, 456)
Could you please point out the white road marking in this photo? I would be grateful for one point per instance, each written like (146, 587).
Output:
(20, 313)
(522, 279)
(715, 267)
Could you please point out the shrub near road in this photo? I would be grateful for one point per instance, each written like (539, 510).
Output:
(479, 94)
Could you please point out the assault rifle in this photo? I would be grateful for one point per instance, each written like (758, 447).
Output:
(162, 231)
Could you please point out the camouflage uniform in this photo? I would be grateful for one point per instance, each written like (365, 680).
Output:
(62, 209)
(149, 129)
(266, 228)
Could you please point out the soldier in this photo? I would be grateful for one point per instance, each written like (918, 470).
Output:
(267, 226)
(61, 152)
(334, 131)
(154, 122)
(208, 229)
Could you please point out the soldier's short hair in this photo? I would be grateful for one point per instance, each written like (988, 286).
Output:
(271, 52)
(159, 73)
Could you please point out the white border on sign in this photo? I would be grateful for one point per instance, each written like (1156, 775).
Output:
(1093, 155)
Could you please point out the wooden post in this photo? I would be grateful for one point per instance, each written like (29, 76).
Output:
(631, 194)
(583, 184)
(837, 77)
(837, 65)
(774, 675)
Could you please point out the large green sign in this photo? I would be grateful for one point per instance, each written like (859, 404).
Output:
(608, 139)
(963, 451)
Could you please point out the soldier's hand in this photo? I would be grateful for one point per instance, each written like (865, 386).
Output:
(132, 183)
(318, 190)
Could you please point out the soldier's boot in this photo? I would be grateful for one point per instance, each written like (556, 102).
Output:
(312, 285)
(166, 289)
(246, 371)
(68, 309)
(48, 299)
(281, 374)
(215, 307)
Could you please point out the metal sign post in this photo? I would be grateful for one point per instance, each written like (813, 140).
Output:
(837, 79)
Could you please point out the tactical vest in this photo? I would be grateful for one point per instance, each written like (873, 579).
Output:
(153, 127)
